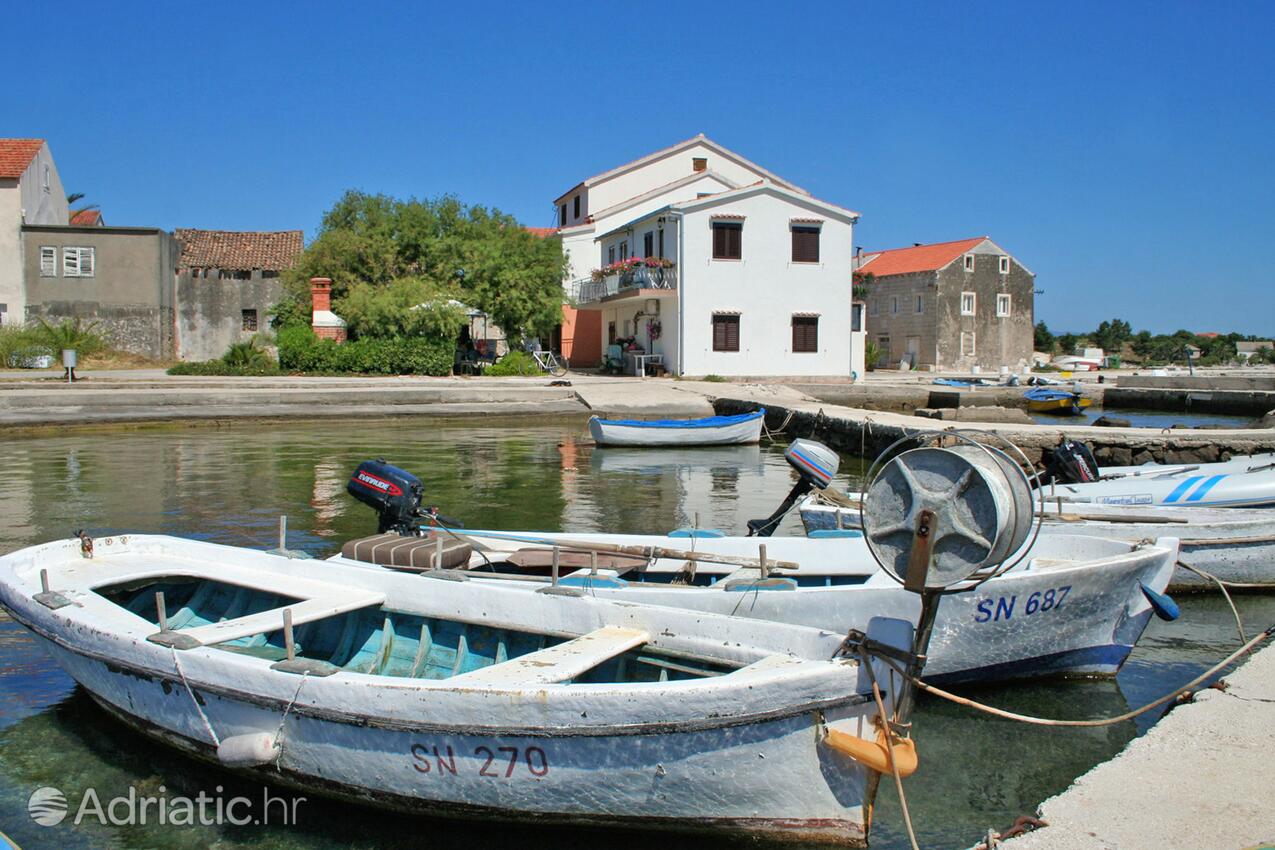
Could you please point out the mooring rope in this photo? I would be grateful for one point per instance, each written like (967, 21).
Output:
(204, 717)
(1221, 585)
(1107, 721)
(889, 746)
(771, 433)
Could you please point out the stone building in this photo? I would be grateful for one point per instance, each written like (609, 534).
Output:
(119, 277)
(30, 193)
(226, 283)
(949, 306)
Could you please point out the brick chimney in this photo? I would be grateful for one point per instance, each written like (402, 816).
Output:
(326, 324)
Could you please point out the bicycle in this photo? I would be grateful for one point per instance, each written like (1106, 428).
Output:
(554, 364)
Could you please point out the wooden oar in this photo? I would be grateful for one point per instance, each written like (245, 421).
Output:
(646, 552)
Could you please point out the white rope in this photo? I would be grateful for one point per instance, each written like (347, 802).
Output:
(204, 717)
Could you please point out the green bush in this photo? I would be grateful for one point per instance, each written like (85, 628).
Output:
(714, 379)
(19, 345)
(301, 351)
(514, 363)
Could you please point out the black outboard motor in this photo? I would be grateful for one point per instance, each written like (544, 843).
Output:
(395, 495)
(1070, 463)
(816, 464)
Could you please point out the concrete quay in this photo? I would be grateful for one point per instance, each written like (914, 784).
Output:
(1200, 778)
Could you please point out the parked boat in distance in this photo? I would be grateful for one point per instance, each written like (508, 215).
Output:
(1048, 400)
(461, 699)
(740, 429)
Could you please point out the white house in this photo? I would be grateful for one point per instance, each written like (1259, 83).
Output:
(712, 262)
(30, 193)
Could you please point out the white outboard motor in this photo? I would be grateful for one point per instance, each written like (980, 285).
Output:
(816, 464)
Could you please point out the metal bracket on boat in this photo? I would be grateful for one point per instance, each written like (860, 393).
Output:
(50, 598)
(445, 575)
(305, 666)
(856, 640)
(174, 640)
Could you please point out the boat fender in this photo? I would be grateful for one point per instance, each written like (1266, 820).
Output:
(1165, 608)
(251, 750)
(874, 754)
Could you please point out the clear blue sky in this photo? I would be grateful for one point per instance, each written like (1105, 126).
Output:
(1123, 151)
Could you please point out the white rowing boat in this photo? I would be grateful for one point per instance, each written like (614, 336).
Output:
(742, 429)
(1186, 487)
(1234, 544)
(1075, 607)
(458, 698)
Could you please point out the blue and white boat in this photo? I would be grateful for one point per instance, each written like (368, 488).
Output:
(460, 699)
(1076, 606)
(736, 430)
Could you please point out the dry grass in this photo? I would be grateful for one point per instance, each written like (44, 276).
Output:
(122, 360)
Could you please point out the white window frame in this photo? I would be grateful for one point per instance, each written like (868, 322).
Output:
(973, 303)
(1004, 304)
(920, 303)
(973, 347)
(48, 261)
(969, 262)
(1004, 266)
(73, 262)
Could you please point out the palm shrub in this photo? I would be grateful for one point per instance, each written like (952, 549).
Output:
(246, 355)
(872, 354)
(73, 333)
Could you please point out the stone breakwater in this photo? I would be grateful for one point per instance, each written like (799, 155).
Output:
(868, 432)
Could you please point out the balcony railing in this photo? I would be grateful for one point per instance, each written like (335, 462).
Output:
(642, 277)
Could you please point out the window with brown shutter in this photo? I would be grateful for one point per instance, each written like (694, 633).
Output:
(725, 332)
(576, 206)
(728, 240)
(562, 215)
(648, 244)
(805, 334)
(805, 244)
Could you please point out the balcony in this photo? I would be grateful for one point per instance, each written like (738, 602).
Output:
(629, 282)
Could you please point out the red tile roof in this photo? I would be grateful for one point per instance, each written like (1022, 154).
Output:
(919, 258)
(87, 218)
(542, 232)
(16, 155)
(239, 251)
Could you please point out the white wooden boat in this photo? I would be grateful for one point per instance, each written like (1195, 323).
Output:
(1234, 544)
(1186, 486)
(458, 699)
(741, 429)
(1075, 607)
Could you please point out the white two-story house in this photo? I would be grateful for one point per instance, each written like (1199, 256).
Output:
(30, 193)
(705, 258)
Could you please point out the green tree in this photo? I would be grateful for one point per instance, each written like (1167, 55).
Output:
(72, 334)
(1111, 336)
(1044, 339)
(1067, 343)
(479, 256)
(408, 306)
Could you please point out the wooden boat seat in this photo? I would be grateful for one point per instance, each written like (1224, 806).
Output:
(408, 553)
(558, 663)
(264, 622)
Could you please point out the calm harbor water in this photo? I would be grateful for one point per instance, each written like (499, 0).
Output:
(230, 484)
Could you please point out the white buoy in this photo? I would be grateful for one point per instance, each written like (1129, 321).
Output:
(251, 750)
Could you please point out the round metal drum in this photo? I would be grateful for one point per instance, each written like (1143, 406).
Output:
(982, 510)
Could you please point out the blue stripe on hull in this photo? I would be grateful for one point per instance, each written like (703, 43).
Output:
(1095, 660)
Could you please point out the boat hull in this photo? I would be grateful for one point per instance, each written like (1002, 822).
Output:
(1058, 617)
(1062, 406)
(742, 752)
(715, 431)
(1236, 545)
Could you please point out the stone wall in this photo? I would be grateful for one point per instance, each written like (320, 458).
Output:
(210, 311)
